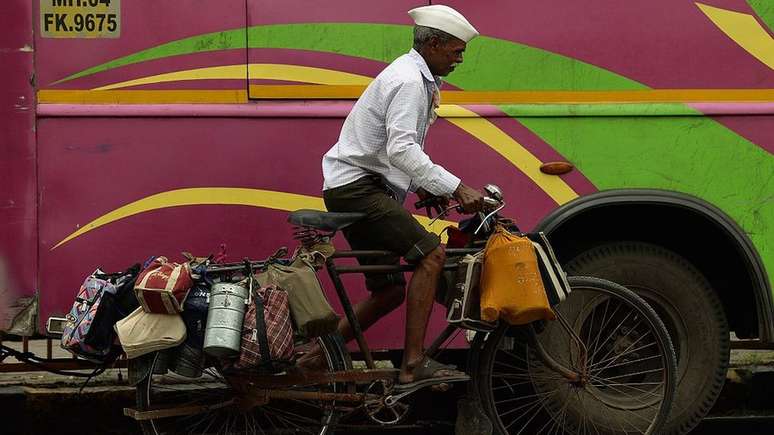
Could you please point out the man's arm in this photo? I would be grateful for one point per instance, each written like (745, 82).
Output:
(404, 151)
(403, 148)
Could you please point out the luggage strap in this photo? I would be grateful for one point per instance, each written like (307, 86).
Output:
(260, 320)
(260, 327)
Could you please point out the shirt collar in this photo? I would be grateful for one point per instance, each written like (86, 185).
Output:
(420, 62)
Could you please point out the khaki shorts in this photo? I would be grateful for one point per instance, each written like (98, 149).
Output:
(387, 226)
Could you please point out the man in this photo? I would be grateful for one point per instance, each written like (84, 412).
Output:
(378, 158)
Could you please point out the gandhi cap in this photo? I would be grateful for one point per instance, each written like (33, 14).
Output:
(444, 18)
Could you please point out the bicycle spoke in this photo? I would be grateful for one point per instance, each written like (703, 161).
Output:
(511, 385)
(608, 337)
(611, 360)
(632, 361)
(659, 369)
(532, 405)
(558, 422)
(647, 393)
(632, 344)
(514, 356)
(294, 415)
(588, 419)
(541, 376)
(529, 396)
(602, 328)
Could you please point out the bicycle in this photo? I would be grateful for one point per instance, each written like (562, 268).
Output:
(605, 366)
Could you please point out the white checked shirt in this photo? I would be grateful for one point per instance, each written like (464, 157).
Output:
(385, 132)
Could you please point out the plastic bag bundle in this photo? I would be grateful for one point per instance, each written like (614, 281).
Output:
(511, 284)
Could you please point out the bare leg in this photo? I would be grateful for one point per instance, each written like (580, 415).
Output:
(368, 311)
(421, 293)
(377, 305)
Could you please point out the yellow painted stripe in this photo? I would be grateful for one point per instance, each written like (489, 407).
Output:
(529, 97)
(295, 73)
(219, 196)
(51, 96)
(745, 30)
(309, 92)
(478, 127)
(506, 146)
(232, 96)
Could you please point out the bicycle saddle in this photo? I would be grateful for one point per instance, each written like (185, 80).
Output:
(321, 220)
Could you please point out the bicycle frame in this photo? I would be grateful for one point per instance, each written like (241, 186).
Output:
(335, 272)
(259, 389)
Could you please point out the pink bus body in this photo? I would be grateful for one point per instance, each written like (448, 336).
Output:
(186, 125)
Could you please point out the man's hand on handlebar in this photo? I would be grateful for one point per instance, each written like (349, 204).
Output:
(430, 201)
(470, 199)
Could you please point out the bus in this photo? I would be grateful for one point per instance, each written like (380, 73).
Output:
(141, 128)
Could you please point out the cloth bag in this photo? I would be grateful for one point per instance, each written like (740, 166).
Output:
(80, 320)
(142, 332)
(163, 286)
(267, 331)
(312, 314)
(511, 284)
(102, 300)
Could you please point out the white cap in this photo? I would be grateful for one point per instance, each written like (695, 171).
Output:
(444, 18)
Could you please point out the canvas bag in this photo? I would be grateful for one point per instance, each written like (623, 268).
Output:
(312, 314)
(267, 333)
(511, 284)
(142, 332)
(163, 286)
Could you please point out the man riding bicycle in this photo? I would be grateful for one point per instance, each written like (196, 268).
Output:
(378, 159)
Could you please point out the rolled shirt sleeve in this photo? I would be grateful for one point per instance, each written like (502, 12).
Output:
(403, 148)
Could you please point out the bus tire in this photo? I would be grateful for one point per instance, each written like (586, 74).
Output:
(690, 308)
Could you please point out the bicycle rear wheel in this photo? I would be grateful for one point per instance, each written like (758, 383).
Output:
(629, 362)
(278, 416)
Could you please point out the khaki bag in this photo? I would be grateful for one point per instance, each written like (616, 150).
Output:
(142, 332)
(511, 284)
(311, 311)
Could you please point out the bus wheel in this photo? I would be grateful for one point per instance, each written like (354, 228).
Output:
(690, 309)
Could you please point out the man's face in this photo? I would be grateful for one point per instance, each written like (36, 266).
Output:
(443, 57)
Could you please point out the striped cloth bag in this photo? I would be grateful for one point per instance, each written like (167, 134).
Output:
(267, 332)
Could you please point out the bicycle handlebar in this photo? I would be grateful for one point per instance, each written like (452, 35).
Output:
(437, 203)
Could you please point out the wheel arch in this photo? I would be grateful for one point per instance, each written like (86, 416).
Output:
(675, 221)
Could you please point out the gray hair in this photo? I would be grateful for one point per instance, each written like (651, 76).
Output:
(422, 36)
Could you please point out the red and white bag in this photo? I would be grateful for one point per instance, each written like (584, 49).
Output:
(163, 286)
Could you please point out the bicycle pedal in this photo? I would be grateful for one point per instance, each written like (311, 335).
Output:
(430, 382)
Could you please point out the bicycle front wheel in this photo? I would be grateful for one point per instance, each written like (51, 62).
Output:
(228, 410)
(610, 336)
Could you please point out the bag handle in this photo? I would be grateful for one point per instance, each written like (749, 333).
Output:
(279, 253)
(249, 276)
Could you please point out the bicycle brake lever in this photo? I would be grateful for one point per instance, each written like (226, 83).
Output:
(424, 203)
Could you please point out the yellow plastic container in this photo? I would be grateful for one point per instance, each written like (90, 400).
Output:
(511, 285)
